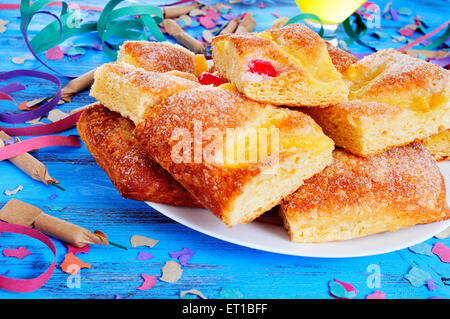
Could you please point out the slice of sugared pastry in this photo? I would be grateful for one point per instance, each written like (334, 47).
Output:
(395, 100)
(161, 57)
(439, 145)
(238, 157)
(357, 196)
(288, 66)
(109, 138)
(133, 92)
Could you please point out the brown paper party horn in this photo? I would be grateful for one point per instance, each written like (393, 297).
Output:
(81, 83)
(21, 213)
(174, 12)
(29, 164)
(247, 24)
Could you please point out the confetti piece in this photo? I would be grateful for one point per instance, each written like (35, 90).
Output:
(229, 17)
(393, 13)
(54, 53)
(435, 297)
(213, 14)
(171, 272)
(75, 250)
(377, 295)
(19, 253)
(149, 282)
(116, 296)
(444, 234)
(276, 15)
(3, 24)
(72, 264)
(37, 143)
(137, 241)
(406, 32)
(442, 251)
(56, 208)
(53, 196)
(230, 293)
(417, 277)
(341, 289)
(187, 20)
(183, 255)
(14, 191)
(17, 60)
(197, 12)
(431, 285)
(144, 256)
(207, 22)
(404, 11)
(56, 115)
(207, 36)
(422, 249)
(191, 292)
(261, 5)
(36, 121)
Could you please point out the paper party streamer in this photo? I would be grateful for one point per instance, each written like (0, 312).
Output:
(377, 295)
(417, 277)
(422, 249)
(192, 292)
(434, 44)
(40, 111)
(230, 293)
(442, 251)
(137, 241)
(12, 87)
(31, 284)
(183, 255)
(72, 264)
(171, 272)
(19, 253)
(77, 250)
(149, 282)
(14, 191)
(55, 127)
(18, 212)
(341, 289)
(16, 149)
(30, 165)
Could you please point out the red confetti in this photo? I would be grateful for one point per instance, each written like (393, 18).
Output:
(207, 78)
(71, 264)
(262, 67)
(75, 250)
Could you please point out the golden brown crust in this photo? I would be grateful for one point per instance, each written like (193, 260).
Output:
(391, 77)
(157, 56)
(109, 138)
(398, 188)
(341, 59)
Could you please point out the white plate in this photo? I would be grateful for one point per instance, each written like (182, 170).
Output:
(274, 238)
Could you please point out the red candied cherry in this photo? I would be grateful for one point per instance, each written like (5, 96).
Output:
(208, 78)
(262, 67)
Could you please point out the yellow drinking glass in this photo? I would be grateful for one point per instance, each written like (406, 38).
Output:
(330, 12)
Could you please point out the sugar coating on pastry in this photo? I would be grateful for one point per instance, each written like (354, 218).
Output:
(370, 128)
(161, 57)
(394, 100)
(357, 196)
(394, 78)
(109, 138)
(132, 91)
(304, 73)
(236, 188)
(341, 59)
(439, 145)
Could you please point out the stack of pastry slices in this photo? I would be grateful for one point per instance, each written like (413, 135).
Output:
(342, 148)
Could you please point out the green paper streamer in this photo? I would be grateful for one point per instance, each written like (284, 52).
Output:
(304, 16)
(108, 25)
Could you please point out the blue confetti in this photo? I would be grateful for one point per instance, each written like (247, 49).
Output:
(230, 293)
(422, 249)
(418, 277)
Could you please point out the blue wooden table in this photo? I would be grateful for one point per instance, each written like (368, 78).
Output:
(90, 200)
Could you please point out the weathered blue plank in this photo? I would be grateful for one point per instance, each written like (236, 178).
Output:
(91, 201)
